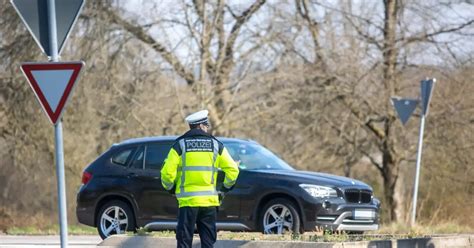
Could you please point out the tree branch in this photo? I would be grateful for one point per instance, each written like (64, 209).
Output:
(224, 61)
(426, 37)
(143, 36)
(372, 160)
(313, 27)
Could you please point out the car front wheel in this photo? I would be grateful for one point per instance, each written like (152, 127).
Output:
(115, 217)
(279, 216)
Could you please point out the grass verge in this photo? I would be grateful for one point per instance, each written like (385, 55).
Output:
(392, 231)
(387, 232)
(50, 230)
(424, 229)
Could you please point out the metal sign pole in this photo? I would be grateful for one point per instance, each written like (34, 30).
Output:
(41, 20)
(405, 108)
(58, 131)
(418, 167)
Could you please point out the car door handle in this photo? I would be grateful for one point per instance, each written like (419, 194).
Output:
(130, 175)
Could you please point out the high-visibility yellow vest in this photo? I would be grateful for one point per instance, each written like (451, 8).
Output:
(192, 165)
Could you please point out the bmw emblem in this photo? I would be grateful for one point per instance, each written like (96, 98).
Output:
(353, 183)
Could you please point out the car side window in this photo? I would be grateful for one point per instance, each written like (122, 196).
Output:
(137, 161)
(122, 157)
(156, 155)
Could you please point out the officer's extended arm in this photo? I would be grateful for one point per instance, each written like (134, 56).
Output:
(168, 172)
(230, 168)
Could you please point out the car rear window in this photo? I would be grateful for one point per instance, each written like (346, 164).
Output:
(137, 162)
(156, 155)
(121, 157)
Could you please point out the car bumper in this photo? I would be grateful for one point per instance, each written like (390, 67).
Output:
(340, 216)
(85, 209)
(85, 217)
(346, 222)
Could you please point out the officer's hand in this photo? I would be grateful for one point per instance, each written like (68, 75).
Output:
(221, 196)
(172, 190)
(225, 190)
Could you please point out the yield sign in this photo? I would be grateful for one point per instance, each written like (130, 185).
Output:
(405, 108)
(34, 14)
(426, 93)
(52, 84)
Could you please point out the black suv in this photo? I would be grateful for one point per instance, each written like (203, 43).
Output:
(121, 190)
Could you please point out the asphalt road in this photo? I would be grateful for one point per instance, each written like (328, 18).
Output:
(12, 241)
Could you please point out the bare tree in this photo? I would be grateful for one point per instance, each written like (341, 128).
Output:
(309, 79)
(204, 23)
(348, 76)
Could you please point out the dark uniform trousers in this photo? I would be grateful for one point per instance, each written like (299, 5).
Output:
(205, 220)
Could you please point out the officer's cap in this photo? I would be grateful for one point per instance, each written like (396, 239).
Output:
(198, 118)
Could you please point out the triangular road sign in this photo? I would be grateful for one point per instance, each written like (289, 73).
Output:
(404, 108)
(34, 14)
(52, 84)
(426, 90)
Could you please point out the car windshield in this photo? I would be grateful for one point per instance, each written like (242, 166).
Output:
(252, 156)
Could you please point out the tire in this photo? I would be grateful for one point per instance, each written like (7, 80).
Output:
(115, 217)
(279, 216)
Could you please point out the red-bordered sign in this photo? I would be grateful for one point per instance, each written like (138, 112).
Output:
(52, 84)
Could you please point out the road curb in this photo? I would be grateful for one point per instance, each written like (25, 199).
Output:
(148, 241)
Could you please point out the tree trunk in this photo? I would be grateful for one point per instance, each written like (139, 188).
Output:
(389, 53)
(390, 177)
(389, 47)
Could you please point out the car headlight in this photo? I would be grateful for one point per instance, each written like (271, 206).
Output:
(319, 191)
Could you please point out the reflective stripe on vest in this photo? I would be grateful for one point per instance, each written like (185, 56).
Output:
(167, 185)
(197, 168)
(228, 183)
(197, 193)
(185, 168)
(214, 158)
(183, 164)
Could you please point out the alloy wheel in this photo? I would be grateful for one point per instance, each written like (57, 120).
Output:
(278, 219)
(114, 220)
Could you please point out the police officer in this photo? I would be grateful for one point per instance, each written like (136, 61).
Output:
(190, 171)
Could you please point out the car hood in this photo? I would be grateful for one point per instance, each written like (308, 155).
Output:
(318, 178)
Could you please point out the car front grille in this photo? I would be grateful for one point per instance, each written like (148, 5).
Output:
(358, 195)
